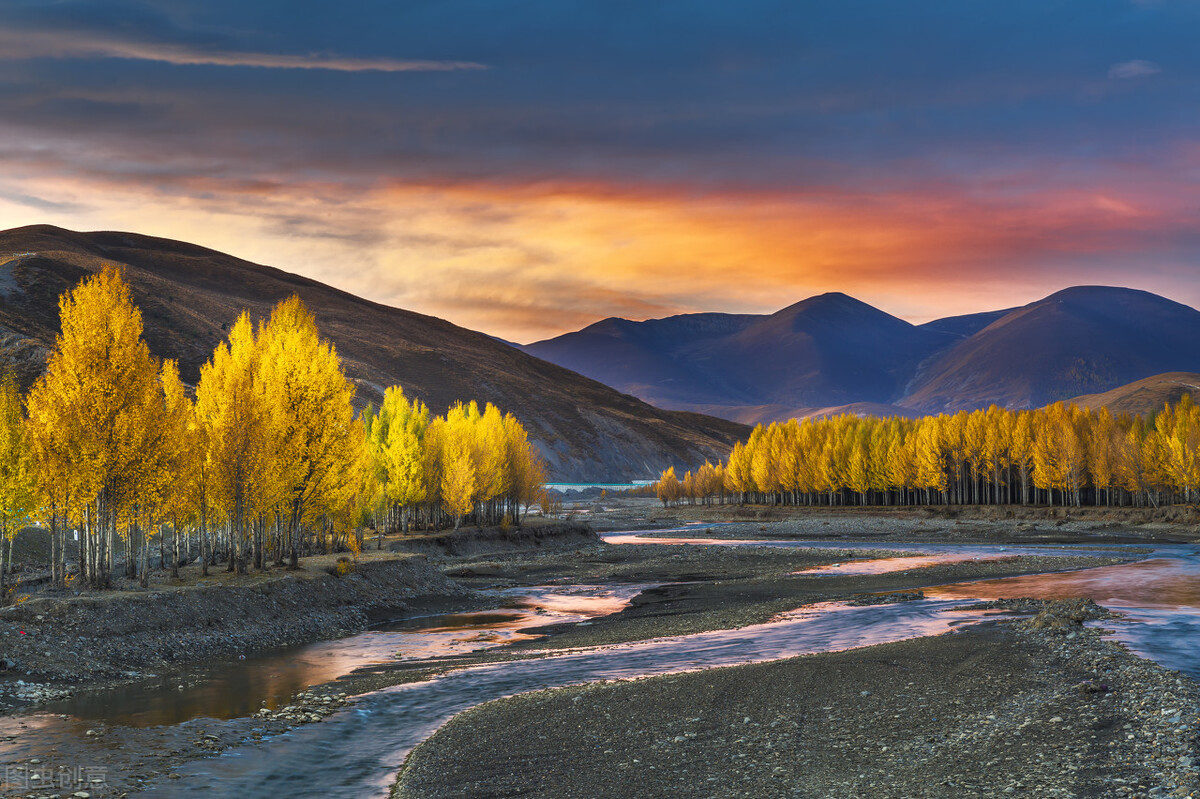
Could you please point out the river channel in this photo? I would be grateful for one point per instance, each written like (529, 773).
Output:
(358, 750)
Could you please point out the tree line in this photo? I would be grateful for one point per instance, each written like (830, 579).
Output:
(265, 461)
(1058, 455)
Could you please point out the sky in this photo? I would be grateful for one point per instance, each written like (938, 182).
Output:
(527, 168)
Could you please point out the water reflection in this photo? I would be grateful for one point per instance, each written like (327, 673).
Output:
(1158, 583)
(1158, 598)
(858, 568)
(360, 749)
(238, 688)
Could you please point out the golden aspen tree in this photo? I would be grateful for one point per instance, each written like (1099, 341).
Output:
(858, 477)
(401, 452)
(667, 489)
(931, 474)
(88, 410)
(1101, 454)
(737, 472)
(311, 402)
(528, 470)
(177, 472)
(1021, 451)
(18, 486)
(457, 470)
(240, 435)
(998, 447)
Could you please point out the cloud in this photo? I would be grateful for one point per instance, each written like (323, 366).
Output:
(18, 44)
(1133, 69)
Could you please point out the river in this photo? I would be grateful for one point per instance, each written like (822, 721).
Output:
(358, 750)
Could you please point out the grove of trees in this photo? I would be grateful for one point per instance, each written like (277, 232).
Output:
(265, 460)
(1061, 455)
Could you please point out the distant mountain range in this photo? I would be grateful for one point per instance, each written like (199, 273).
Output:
(833, 353)
(190, 296)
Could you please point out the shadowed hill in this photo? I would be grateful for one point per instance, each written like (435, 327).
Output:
(1145, 396)
(650, 359)
(966, 325)
(825, 351)
(190, 296)
(1077, 341)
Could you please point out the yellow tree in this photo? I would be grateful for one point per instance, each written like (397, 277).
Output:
(458, 479)
(310, 402)
(178, 475)
(396, 441)
(239, 435)
(528, 470)
(737, 472)
(18, 487)
(88, 412)
(668, 488)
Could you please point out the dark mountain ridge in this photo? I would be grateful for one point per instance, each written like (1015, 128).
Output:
(1080, 340)
(832, 351)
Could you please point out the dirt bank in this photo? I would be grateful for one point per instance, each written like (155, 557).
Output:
(111, 634)
(992, 710)
(535, 534)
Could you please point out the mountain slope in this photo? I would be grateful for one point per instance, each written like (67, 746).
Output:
(190, 296)
(647, 359)
(1080, 340)
(827, 350)
(966, 325)
(1145, 396)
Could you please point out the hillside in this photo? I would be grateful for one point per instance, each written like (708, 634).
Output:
(1081, 340)
(650, 359)
(1145, 396)
(190, 296)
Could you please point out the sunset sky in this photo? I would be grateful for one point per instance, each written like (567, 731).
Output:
(526, 168)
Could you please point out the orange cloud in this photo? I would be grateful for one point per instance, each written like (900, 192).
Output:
(530, 261)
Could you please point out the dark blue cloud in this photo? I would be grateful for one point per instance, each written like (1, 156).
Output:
(765, 94)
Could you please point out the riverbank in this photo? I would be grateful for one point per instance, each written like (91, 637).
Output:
(53, 644)
(983, 524)
(996, 709)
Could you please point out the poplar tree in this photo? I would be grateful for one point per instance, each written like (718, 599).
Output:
(89, 411)
(310, 401)
(18, 487)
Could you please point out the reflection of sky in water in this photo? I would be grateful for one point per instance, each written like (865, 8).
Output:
(360, 749)
(1159, 598)
(236, 688)
(858, 568)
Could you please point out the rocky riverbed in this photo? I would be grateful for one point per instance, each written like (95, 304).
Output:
(926, 712)
(1044, 709)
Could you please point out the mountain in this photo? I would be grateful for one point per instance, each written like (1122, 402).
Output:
(966, 325)
(828, 350)
(833, 354)
(1145, 396)
(190, 296)
(1081, 340)
(650, 359)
